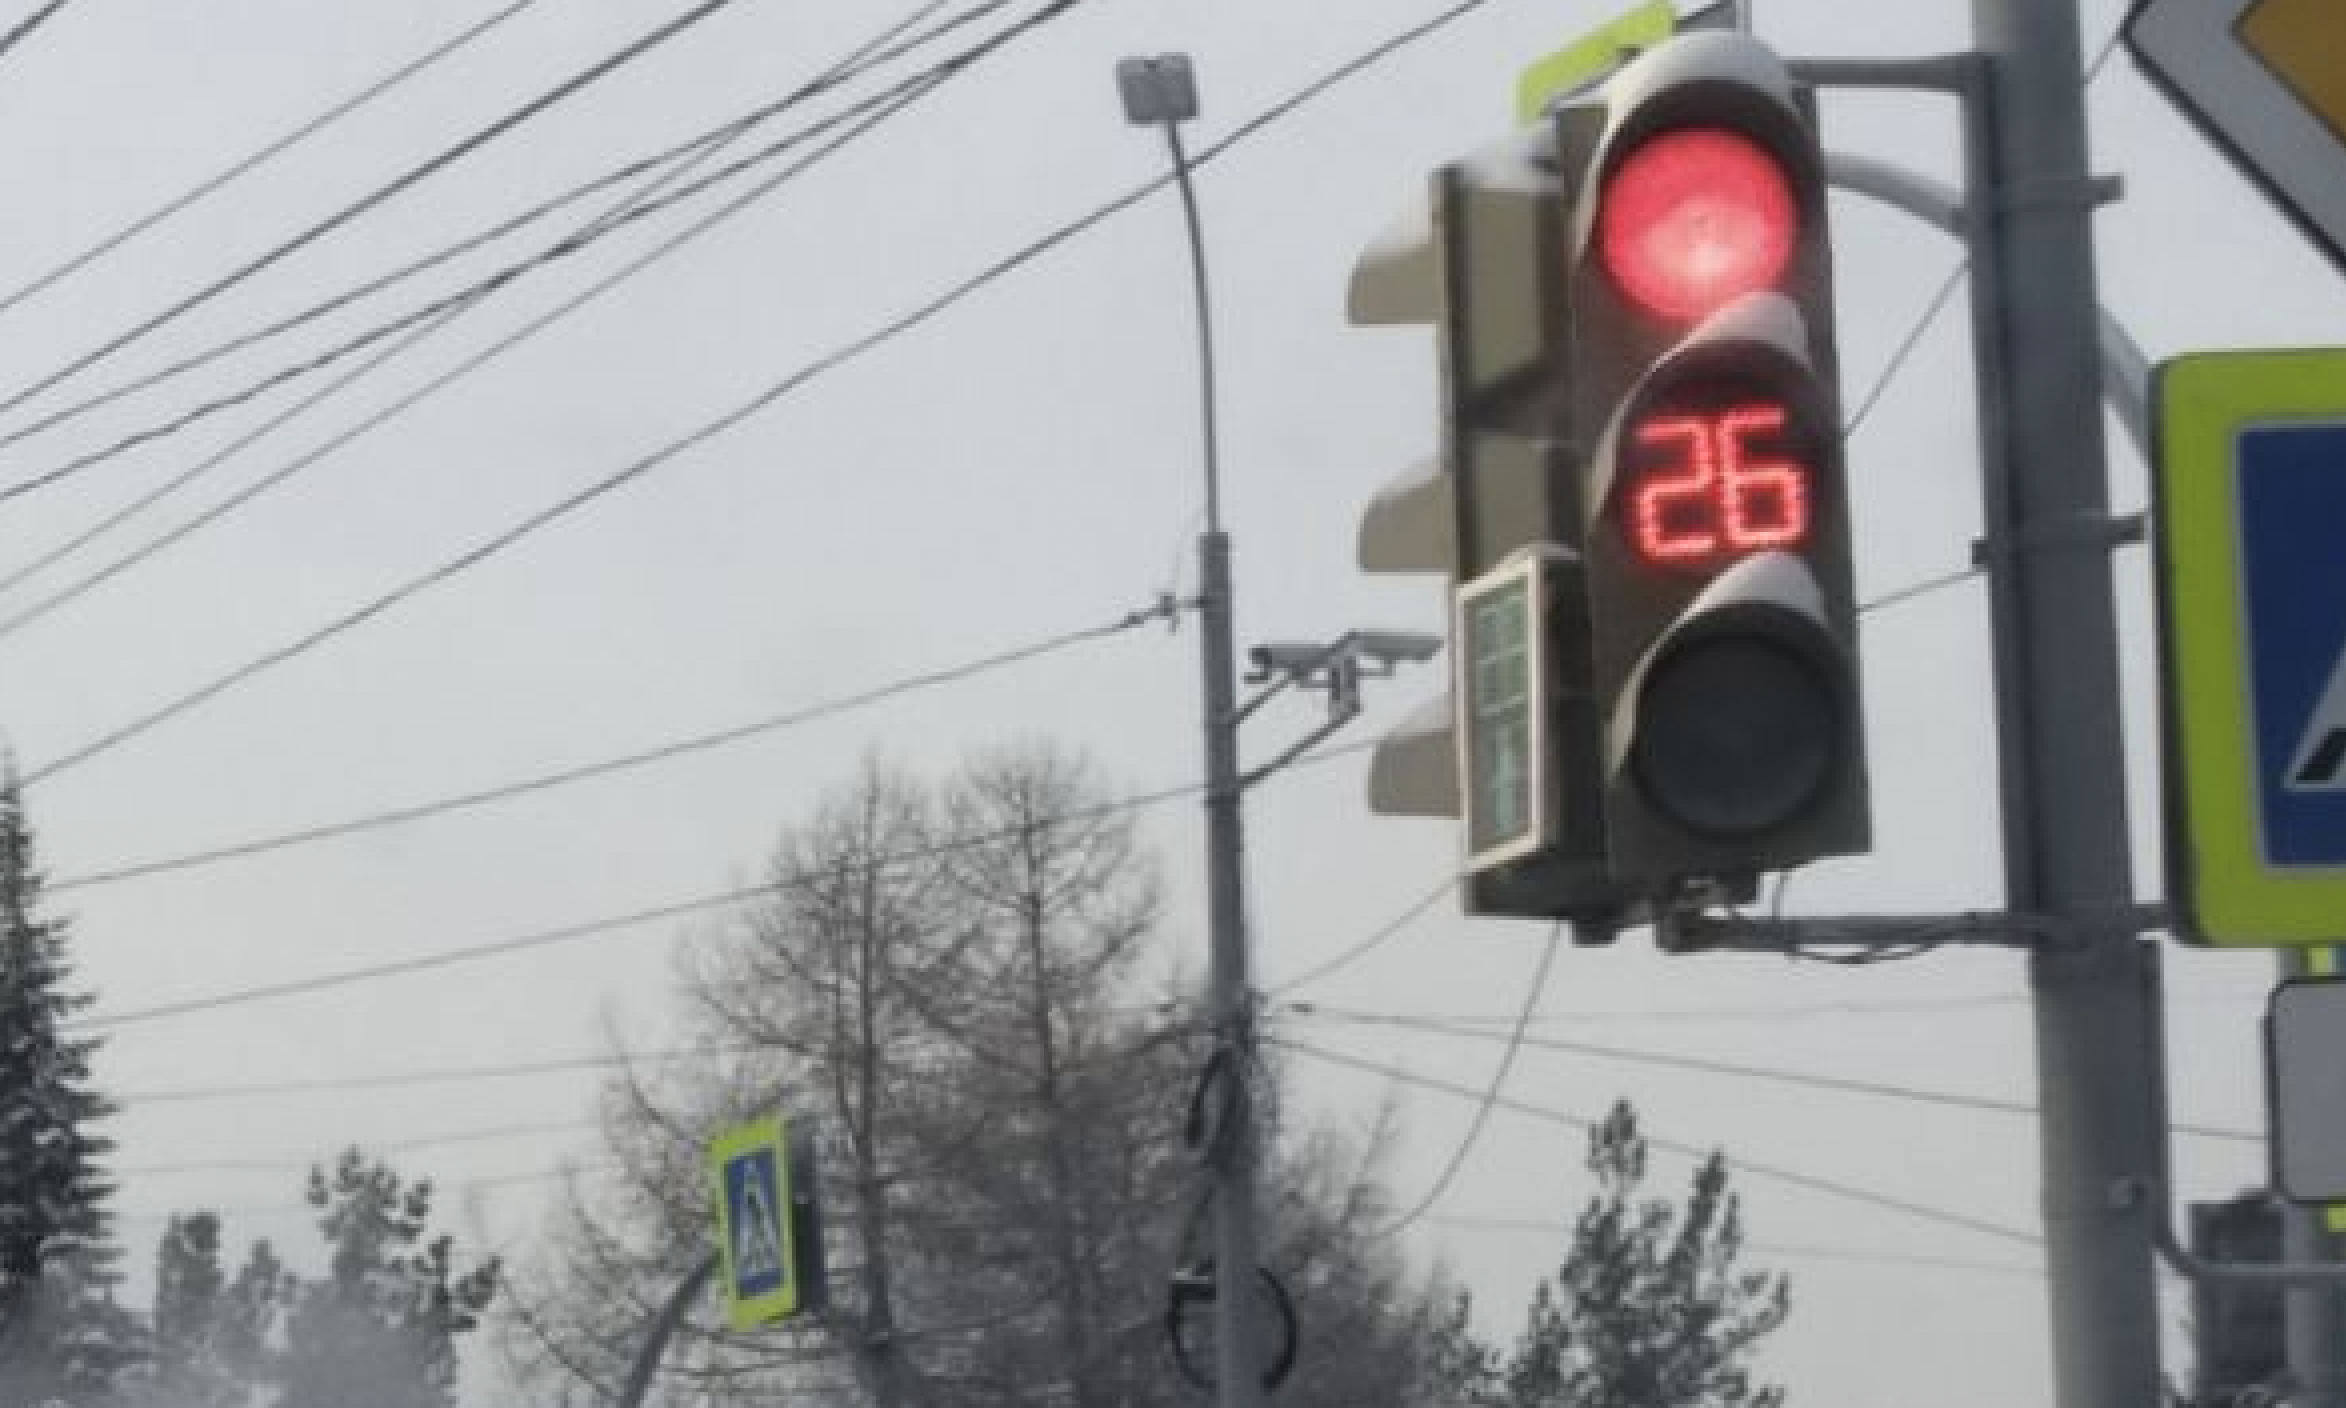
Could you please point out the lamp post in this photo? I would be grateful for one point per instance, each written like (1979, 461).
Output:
(1160, 92)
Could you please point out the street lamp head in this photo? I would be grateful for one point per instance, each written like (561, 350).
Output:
(1157, 90)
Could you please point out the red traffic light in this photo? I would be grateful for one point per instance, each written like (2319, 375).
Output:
(1694, 218)
(1707, 486)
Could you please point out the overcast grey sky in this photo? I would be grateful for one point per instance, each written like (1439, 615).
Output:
(1022, 465)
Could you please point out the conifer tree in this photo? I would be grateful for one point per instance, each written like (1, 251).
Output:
(211, 1330)
(1649, 1309)
(380, 1329)
(62, 1338)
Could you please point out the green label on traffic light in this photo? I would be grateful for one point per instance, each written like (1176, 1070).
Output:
(1502, 809)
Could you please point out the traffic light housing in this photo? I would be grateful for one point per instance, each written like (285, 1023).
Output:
(1639, 501)
(1714, 535)
(1509, 750)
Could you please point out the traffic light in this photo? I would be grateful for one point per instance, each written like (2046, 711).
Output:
(1700, 377)
(1510, 750)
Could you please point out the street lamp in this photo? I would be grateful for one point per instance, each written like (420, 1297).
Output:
(1162, 93)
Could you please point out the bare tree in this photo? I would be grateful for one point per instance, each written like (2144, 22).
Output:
(951, 980)
(800, 1005)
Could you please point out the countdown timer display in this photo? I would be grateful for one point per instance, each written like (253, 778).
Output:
(1710, 479)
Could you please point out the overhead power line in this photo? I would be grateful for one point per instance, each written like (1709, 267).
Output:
(294, 1163)
(24, 27)
(572, 933)
(400, 1080)
(381, 195)
(886, 48)
(248, 164)
(1532, 993)
(1815, 1183)
(1843, 1084)
(666, 752)
(1378, 938)
(437, 308)
(496, 544)
(856, 120)
(810, 372)
(569, 933)
(1792, 1250)
(462, 1185)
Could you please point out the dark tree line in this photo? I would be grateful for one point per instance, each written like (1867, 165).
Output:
(378, 1329)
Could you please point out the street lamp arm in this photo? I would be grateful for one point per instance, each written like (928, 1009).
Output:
(2125, 371)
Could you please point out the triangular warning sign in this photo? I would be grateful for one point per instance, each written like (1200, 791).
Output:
(2319, 763)
(757, 1234)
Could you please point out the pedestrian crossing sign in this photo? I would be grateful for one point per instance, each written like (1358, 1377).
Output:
(749, 1187)
(2249, 488)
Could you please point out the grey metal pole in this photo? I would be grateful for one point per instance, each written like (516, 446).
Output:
(663, 1329)
(2313, 1317)
(2061, 756)
(1238, 1359)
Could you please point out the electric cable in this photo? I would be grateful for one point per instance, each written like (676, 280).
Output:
(1815, 1183)
(888, 47)
(608, 766)
(1842, 1084)
(400, 1080)
(841, 356)
(1788, 1011)
(28, 24)
(564, 248)
(569, 87)
(571, 933)
(1491, 1093)
(1906, 347)
(872, 110)
(465, 1185)
(302, 133)
(561, 508)
(297, 1163)
(1796, 1251)
(1384, 934)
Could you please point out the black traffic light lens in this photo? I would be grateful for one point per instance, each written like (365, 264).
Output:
(1736, 734)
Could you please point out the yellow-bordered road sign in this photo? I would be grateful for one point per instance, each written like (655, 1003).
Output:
(749, 1189)
(2265, 80)
(1592, 55)
(2249, 491)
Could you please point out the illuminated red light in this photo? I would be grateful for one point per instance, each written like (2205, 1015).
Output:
(1707, 489)
(1695, 218)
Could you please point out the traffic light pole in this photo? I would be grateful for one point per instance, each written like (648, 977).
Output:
(2061, 755)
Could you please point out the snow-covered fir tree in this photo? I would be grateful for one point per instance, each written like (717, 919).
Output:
(63, 1339)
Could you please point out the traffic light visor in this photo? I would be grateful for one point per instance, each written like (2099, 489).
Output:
(1692, 218)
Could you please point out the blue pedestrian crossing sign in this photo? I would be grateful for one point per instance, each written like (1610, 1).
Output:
(2249, 487)
(749, 1186)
